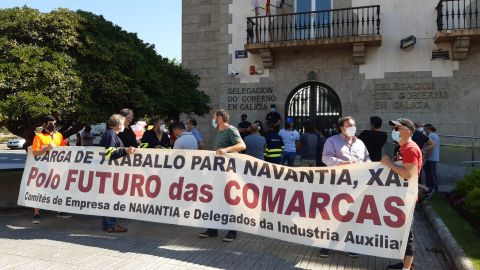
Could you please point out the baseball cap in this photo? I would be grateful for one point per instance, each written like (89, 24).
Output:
(290, 120)
(403, 122)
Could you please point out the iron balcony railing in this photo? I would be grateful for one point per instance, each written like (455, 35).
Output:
(356, 21)
(458, 14)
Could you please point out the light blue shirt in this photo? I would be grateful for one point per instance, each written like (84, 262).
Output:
(337, 149)
(289, 137)
(435, 154)
(186, 141)
(197, 134)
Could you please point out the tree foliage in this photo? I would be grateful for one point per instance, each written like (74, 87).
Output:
(83, 68)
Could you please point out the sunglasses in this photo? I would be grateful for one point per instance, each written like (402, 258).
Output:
(398, 129)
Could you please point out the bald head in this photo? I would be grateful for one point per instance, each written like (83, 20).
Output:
(254, 128)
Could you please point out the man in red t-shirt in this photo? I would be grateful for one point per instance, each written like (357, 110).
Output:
(407, 164)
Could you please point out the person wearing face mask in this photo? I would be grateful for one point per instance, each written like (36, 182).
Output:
(421, 139)
(127, 135)
(43, 142)
(406, 163)
(274, 117)
(290, 138)
(191, 126)
(226, 140)
(156, 137)
(114, 149)
(341, 149)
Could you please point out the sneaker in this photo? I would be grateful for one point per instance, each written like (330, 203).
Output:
(36, 219)
(231, 235)
(398, 266)
(209, 233)
(63, 215)
(324, 252)
(117, 229)
(353, 255)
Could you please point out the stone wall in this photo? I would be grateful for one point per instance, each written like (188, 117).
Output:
(450, 103)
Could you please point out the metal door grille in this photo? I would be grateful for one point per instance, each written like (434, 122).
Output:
(316, 102)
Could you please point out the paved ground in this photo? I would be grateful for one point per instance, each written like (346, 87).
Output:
(78, 243)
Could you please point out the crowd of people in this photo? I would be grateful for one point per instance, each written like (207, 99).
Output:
(315, 146)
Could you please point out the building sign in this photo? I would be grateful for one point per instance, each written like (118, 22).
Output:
(423, 96)
(241, 54)
(250, 98)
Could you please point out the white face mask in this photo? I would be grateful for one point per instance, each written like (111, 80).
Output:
(396, 136)
(350, 131)
(420, 129)
(214, 123)
(163, 128)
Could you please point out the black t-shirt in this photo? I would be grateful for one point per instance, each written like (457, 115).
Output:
(151, 138)
(128, 137)
(374, 141)
(273, 117)
(244, 124)
(419, 138)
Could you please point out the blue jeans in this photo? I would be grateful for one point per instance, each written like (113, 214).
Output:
(289, 157)
(431, 175)
(109, 222)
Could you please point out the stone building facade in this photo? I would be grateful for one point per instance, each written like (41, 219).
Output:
(361, 74)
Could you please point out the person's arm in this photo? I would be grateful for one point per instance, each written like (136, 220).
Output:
(240, 146)
(36, 147)
(429, 148)
(42, 151)
(366, 154)
(328, 155)
(237, 147)
(117, 152)
(407, 170)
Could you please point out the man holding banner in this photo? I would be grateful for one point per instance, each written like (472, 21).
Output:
(43, 142)
(114, 149)
(227, 140)
(342, 149)
(407, 164)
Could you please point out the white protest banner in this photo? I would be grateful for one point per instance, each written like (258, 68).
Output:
(364, 208)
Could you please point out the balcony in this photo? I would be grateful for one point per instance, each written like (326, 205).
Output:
(458, 22)
(357, 27)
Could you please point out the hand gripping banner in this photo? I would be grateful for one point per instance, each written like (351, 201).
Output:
(364, 208)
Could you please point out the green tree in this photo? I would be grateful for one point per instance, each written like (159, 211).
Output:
(82, 68)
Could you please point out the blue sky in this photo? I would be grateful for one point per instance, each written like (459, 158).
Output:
(155, 21)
